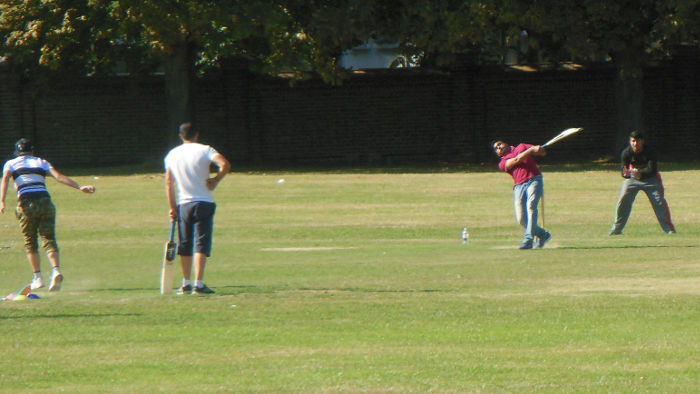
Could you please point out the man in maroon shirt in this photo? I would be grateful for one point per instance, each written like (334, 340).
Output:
(518, 161)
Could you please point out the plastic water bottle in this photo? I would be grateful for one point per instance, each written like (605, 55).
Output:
(465, 236)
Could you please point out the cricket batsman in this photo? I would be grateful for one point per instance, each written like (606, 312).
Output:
(192, 203)
(519, 162)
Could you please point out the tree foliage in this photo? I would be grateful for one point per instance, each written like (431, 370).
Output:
(60, 35)
(93, 36)
(190, 37)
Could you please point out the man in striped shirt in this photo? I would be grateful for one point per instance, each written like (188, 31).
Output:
(35, 211)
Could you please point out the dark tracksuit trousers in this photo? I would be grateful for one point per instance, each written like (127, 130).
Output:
(654, 189)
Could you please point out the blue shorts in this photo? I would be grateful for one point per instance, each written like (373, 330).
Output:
(196, 226)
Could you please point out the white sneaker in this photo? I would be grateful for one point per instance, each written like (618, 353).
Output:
(37, 283)
(56, 280)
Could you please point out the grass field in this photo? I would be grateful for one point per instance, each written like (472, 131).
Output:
(358, 281)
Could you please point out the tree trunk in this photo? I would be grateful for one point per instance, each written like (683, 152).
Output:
(179, 73)
(629, 92)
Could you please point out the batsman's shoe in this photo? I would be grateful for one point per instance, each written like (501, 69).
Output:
(56, 281)
(203, 290)
(184, 290)
(541, 241)
(37, 283)
(526, 245)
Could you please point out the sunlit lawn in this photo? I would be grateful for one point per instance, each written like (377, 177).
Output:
(358, 281)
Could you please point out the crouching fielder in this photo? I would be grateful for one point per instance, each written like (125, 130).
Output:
(519, 163)
(639, 168)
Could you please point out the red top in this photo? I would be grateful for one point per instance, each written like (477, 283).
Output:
(524, 171)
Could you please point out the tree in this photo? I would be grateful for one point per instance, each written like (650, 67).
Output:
(65, 36)
(631, 32)
(185, 37)
(435, 33)
(190, 37)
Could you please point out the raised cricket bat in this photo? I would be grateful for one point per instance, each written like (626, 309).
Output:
(562, 135)
(166, 275)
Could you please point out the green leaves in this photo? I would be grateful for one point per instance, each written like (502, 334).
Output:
(93, 36)
(61, 35)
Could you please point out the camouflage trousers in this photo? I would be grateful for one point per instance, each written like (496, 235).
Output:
(37, 218)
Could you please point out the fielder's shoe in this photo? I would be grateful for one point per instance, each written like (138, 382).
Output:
(614, 231)
(526, 245)
(184, 290)
(56, 281)
(203, 290)
(37, 283)
(671, 232)
(541, 241)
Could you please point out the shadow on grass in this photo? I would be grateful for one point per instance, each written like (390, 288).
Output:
(257, 290)
(622, 247)
(70, 316)
(491, 165)
(247, 289)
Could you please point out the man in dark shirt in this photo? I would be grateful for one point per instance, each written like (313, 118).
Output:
(639, 168)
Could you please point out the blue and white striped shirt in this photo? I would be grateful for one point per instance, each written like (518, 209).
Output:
(29, 174)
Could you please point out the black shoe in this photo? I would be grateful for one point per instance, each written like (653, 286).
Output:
(203, 290)
(541, 241)
(526, 245)
(184, 290)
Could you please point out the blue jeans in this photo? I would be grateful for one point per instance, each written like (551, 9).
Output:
(526, 197)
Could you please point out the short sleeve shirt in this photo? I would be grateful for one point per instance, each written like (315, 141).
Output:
(29, 174)
(189, 164)
(524, 171)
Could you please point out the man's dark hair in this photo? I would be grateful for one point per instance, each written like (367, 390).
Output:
(23, 147)
(637, 135)
(187, 131)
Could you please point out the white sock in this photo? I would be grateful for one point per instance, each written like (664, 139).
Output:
(56, 270)
(185, 282)
(37, 275)
(199, 284)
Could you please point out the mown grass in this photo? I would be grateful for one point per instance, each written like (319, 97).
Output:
(357, 281)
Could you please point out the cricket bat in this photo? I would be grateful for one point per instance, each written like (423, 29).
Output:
(562, 135)
(166, 275)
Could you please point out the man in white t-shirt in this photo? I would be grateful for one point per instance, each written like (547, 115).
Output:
(188, 166)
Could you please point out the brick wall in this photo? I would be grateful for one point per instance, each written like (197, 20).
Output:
(379, 117)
